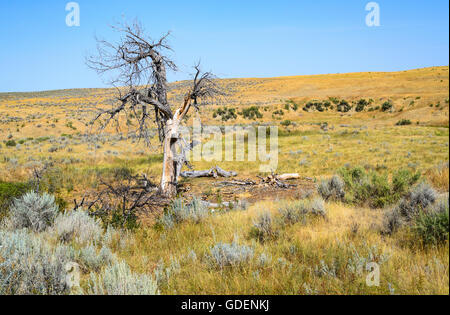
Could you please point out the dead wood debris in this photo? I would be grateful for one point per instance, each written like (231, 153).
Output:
(215, 172)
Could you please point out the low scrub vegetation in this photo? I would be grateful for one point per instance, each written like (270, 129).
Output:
(377, 190)
(118, 279)
(181, 212)
(230, 255)
(252, 113)
(333, 189)
(404, 122)
(41, 253)
(225, 114)
(8, 192)
(33, 211)
(424, 213)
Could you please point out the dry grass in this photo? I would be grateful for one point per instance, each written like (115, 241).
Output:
(295, 254)
(439, 177)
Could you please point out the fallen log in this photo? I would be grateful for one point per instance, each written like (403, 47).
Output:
(224, 173)
(238, 183)
(288, 176)
(214, 172)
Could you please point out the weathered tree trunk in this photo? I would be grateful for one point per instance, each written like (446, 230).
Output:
(171, 163)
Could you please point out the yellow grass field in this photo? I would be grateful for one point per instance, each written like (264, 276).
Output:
(319, 256)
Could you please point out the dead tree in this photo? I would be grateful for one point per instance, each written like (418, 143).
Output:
(141, 64)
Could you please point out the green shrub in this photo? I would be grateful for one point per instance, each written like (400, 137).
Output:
(421, 210)
(8, 192)
(344, 107)
(334, 100)
(251, 113)
(10, 143)
(278, 112)
(301, 211)
(432, 226)
(286, 123)
(404, 122)
(225, 113)
(361, 105)
(290, 104)
(412, 205)
(374, 189)
(387, 106)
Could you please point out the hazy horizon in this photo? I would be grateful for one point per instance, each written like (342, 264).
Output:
(235, 78)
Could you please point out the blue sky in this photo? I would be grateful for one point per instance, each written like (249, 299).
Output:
(246, 38)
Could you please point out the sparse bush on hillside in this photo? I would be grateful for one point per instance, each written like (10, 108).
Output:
(33, 211)
(286, 123)
(361, 105)
(387, 106)
(344, 106)
(225, 113)
(290, 104)
(374, 189)
(332, 189)
(251, 113)
(404, 122)
(230, 255)
(11, 143)
(118, 279)
(78, 226)
(317, 105)
(279, 113)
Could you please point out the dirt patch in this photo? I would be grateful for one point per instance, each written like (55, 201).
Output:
(220, 190)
